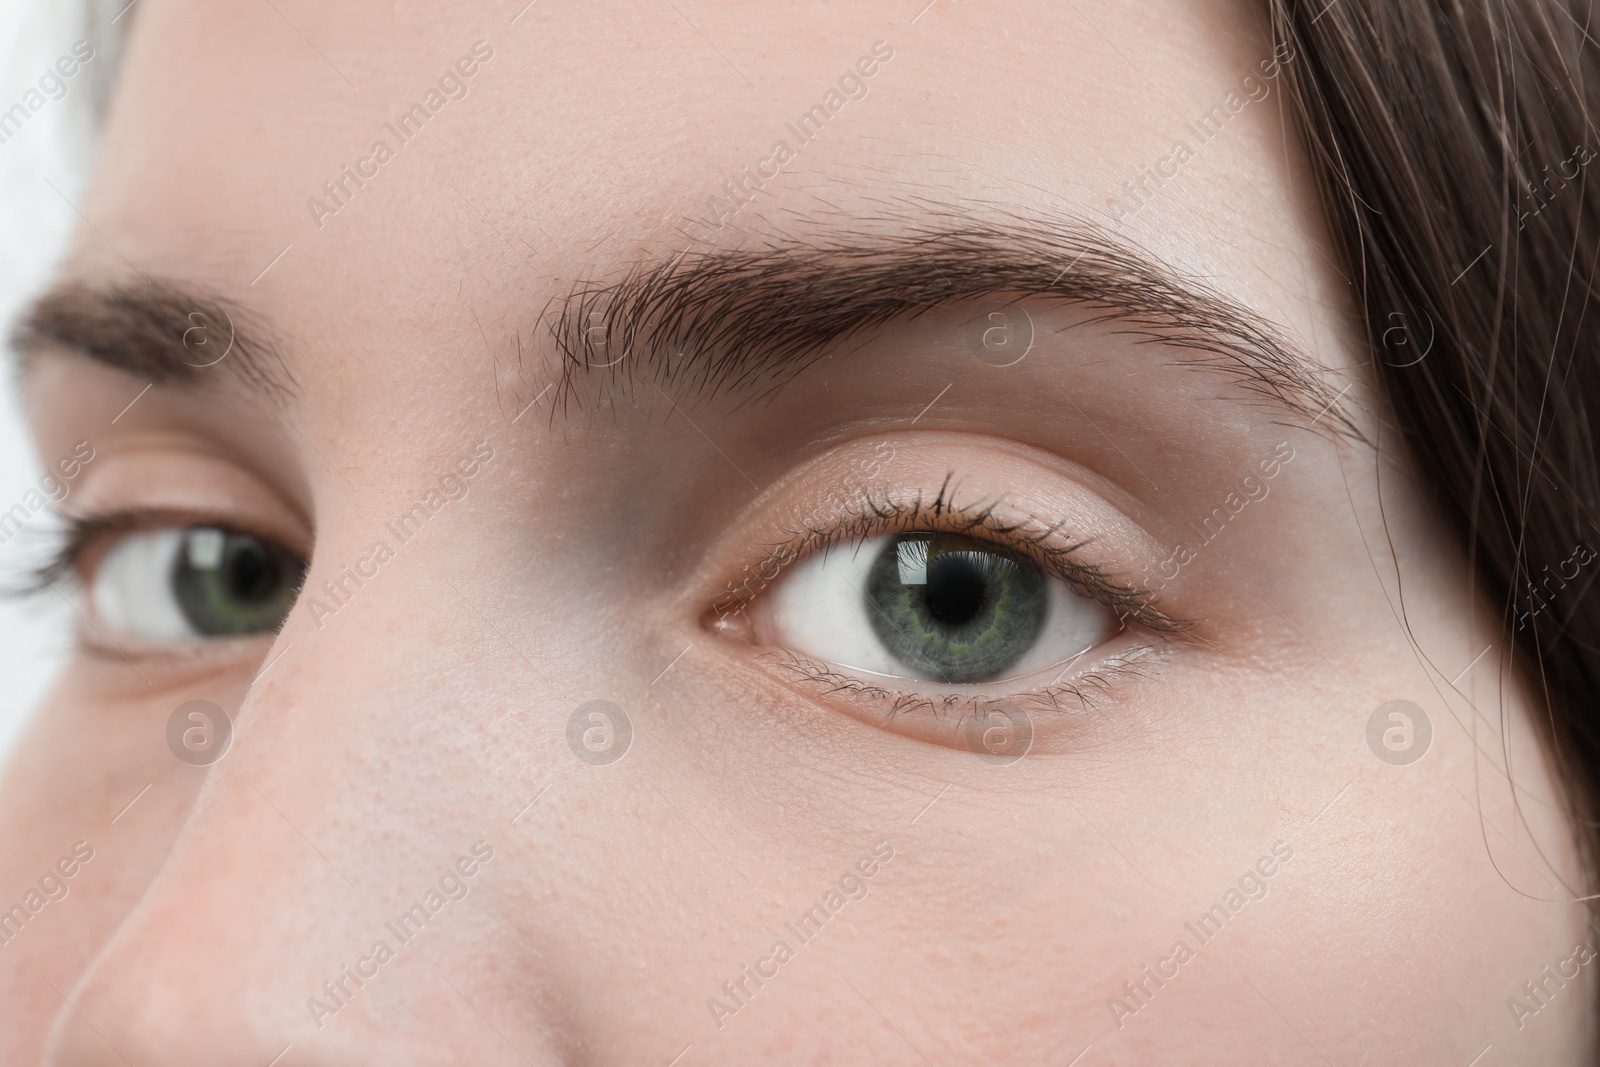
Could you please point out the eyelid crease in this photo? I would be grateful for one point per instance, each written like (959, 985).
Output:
(1031, 538)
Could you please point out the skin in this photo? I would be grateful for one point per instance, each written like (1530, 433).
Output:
(431, 710)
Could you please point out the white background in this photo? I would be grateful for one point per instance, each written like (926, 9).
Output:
(35, 222)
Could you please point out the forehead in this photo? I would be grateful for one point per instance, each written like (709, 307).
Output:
(354, 154)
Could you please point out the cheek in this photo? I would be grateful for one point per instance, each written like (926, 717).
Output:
(95, 746)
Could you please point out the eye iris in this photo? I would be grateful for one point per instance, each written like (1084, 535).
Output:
(952, 608)
(230, 584)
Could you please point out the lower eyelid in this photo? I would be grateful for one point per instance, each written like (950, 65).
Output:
(1056, 715)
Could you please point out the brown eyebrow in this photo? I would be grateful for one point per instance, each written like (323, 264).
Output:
(747, 320)
(158, 331)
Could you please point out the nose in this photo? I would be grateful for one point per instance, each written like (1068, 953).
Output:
(189, 978)
(326, 900)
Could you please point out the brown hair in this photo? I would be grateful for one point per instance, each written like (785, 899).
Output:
(1451, 141)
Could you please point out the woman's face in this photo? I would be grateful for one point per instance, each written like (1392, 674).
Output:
(854, 534)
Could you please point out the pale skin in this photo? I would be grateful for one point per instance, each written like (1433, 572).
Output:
(426, 710)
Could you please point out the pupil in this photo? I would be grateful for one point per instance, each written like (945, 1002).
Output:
(955, 589)
(250, 572)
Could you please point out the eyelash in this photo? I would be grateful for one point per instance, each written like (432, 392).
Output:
(1052, 697)
(890, 515)
(1031, 539)
(80, 535)
(70, 544)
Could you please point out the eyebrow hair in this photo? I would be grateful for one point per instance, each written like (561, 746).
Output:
(158, 331)
(748, 320)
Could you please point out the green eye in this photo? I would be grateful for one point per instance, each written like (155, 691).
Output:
(953, 608)
(228, 584)
(199, 582)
